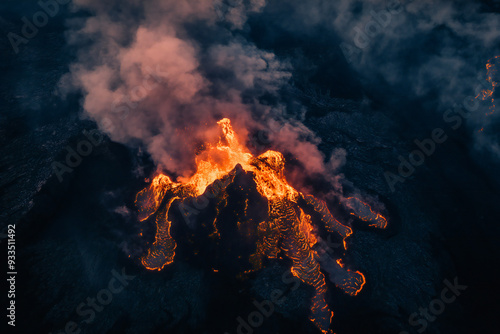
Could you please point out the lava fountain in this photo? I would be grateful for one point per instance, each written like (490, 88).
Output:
(288, 232)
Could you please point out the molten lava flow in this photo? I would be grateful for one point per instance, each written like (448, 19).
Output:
(288, 230)
(162, 251)
(491, 75)
(364, 212)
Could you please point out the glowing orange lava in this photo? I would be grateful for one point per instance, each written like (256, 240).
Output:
(289, 231)
(491, 75)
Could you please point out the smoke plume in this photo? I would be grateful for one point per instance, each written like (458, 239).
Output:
(162, 73)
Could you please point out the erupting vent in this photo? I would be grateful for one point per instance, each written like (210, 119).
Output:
(287, 231)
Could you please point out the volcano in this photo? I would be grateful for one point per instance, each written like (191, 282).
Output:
(290, 229)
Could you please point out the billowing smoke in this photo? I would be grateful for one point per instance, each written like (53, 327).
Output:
(162, 73)
(432, 51)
